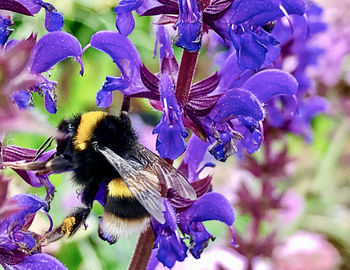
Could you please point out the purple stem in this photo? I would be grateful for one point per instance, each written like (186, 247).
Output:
(143, 250)
(186, 72)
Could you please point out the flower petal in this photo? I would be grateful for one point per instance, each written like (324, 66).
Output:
(237, 102)
(170, 143)
(104, 98)
(211, 206)
(23, 99)
(170, 248)
(189, 26)
(125, 23)
(41, 261)
(269, 83)
(5, 30)
(53, 21)
(124, 55)
(52, 48)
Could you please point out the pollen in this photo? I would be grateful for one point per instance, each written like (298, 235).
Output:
(86, 127)
(67, 225)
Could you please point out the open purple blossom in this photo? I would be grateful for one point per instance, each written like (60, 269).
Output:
(52, 48)
(235, 121)
(170, 247)
(126, 57)
(53, 19)
(18, 247)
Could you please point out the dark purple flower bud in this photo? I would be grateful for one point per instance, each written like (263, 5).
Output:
(5, 30)
(189, 26)
(170, 248)
(170, 129)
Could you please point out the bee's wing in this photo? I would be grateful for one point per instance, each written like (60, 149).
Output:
(142, 183)
(172, 178)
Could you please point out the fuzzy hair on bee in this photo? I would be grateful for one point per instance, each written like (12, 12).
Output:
(103, 152)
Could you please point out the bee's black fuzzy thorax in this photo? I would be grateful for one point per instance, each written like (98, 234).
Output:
(90, 168)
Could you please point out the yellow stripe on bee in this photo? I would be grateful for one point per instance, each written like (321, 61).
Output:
(117, 188)
(86, 128)
(67, 225)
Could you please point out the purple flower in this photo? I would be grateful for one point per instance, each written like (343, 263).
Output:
(53, 19)
(236, 119)
(126, 57)
(170, 129)
(125, 22)
(52, 48)
(189, 26)
(138, 81)
(170, 247)
(17, 240)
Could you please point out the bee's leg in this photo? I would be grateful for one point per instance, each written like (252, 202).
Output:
(69, 225)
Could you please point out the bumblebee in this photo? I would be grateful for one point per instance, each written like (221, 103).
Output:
(105, 156)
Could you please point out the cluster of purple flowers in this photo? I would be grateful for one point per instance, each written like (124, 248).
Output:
(225, 111)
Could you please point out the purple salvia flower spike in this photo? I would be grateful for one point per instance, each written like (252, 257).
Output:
(52, 48)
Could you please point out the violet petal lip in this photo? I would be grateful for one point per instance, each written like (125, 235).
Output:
(52, 48)
(268, 83)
